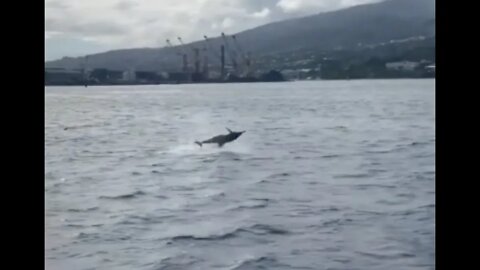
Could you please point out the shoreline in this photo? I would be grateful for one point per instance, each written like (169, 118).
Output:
(213, 82)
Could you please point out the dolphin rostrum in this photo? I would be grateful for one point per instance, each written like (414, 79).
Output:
(222, 139)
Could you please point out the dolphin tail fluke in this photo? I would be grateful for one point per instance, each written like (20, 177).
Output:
(199, 143)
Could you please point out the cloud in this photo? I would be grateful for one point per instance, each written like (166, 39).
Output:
(51, 34)
(302, 6)
(289, 5)
(125, 5)
(261, 14)
(85, 28)
(56, 4)
(147, 23)
(227, 23)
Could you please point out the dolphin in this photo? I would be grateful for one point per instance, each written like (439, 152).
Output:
(222, 139)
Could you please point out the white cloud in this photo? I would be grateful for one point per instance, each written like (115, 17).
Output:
(301, 6)
(51, 34)
(227, 23)
(347, 3)
(124, 22)
(289, 5)
(261, 14)
(125, 5)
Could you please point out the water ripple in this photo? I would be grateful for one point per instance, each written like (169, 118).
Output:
(132, 195)
(333, 175)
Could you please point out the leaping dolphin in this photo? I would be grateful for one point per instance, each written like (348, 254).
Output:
(222, 139)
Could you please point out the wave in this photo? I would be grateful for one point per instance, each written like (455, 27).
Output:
(383, 151)
(413, 211)
(276, 128)
(343, 128)
(124, 196)
(90, 236)
(358, 175)
(276, 175)
(158, 165)
(336, 222)
(368, 212)
(330, 156)
(217, 196)
(432, 205)
(204, 238)
(257, 229)
(148, 219)
(260, 158)
(181, 261)
(85, 126)
(389, 202)
(82, 210)
(254, 204)
(262, 262)
(366, 186)
(420, 143)
(75, 225)
(262, 229)
(397, 148)
(386, 256)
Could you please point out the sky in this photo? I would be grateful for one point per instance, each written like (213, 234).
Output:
(76, 28)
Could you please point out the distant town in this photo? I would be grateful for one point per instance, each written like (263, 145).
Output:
(409, 58)
(327, 69)
(330, 70)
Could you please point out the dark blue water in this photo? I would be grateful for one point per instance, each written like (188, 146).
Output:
(329, 175)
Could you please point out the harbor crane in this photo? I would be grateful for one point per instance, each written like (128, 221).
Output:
(246, 58)
(184, 56)
(196, 52)
(209, 47)
(230, 52)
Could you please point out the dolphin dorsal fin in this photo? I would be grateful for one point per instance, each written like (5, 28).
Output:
(229, 130)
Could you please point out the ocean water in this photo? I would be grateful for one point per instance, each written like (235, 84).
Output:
(329, 175)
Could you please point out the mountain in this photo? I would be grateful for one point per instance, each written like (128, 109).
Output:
(364, 24)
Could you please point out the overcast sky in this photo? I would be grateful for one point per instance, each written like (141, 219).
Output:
(79, 27)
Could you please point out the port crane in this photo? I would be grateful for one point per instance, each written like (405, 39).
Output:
(182, 53)
(196, 52)
(230, 52)
(209, 47)
(245, 58)
(184, 57)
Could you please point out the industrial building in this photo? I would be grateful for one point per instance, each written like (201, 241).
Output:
(61, 76)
